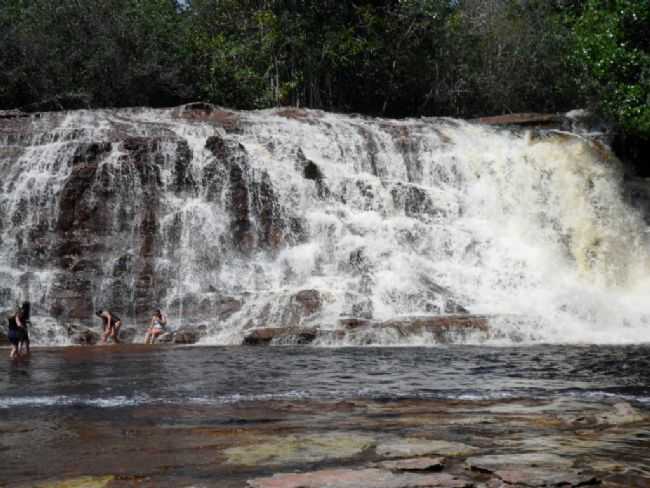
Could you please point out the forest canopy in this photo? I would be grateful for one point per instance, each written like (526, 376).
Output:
(461, 58)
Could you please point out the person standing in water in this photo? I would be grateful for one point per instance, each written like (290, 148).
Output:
(111, 324)
(25, 320)
(17, 333)
(158, 323)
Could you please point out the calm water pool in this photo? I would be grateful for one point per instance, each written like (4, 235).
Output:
(112, 376)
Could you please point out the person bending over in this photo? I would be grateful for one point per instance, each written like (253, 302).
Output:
(158, 323)
(111, 324)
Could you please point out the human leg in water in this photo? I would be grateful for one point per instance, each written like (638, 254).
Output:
(116, 331)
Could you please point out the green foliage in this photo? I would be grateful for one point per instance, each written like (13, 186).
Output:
(612, 48)
(388, 57)
(115, 52)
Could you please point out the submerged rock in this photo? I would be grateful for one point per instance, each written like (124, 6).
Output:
(403, 448)
(415, 464)
(543, 476)
(623, 413)
(361, 478)
(83, 482)
(535, 469)
(492, 463)
(299, 449)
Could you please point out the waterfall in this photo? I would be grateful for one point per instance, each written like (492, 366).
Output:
(285, 217)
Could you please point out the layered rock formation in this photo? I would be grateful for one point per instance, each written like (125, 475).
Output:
(236, 222)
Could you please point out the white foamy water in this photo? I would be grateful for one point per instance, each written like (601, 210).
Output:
(384, 219)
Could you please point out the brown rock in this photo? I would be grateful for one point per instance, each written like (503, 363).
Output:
(12, 114)
(522, 119)
(83, 335)
(206, 112)
(189, 335)
(539, 477)
(228, 306)
(309, 300)
(296, 113)
(293, 335)
(414, 464)
(363, 478)
(166, 338)
(354, 322)
(444, 328)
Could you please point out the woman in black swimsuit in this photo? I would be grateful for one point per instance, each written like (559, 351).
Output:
(111, 323)
(17, 333)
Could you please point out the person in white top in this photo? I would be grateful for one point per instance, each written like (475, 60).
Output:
(158, 324)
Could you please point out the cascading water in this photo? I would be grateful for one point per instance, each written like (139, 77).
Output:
(239, 220)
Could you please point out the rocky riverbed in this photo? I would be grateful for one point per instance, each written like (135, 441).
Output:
(345, 444)
(296, 417)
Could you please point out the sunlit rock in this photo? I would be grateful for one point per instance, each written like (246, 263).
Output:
(415, 464)
(83, 482)
(410, 447)
(363, 478)
(299, 449)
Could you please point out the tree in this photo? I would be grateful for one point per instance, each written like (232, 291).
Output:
(113, 52)
(612, 51)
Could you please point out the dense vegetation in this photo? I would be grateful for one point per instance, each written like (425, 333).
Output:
(392, 57)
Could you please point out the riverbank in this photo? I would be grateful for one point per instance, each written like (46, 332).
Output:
(289, 417)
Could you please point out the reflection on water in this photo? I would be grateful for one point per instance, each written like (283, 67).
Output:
(132, 375)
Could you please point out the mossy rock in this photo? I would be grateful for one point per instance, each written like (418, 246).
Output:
(82, 482)
(299, 449)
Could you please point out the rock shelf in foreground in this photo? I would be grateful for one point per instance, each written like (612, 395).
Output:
(338, 444)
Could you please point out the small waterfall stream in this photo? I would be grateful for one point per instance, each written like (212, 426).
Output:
(285, 217)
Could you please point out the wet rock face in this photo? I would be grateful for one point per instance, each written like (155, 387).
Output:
(188, 334)
(280, 335)
(83, 335)
(110, 198)
(299, 449)
(246, 221)
(362, 478)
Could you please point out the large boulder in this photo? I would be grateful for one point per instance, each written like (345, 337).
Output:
(280, 335)
(189, 334)
(442, 328)
(83, 335)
